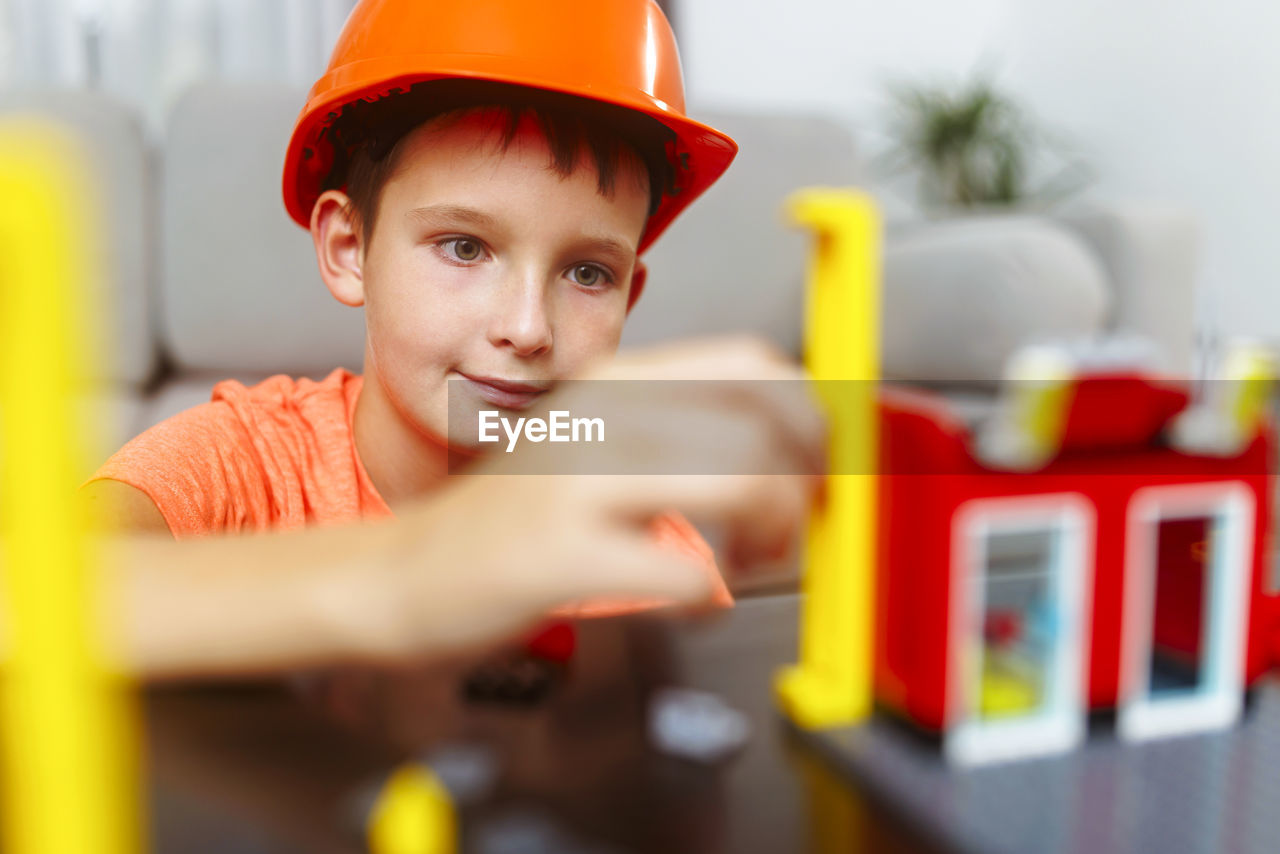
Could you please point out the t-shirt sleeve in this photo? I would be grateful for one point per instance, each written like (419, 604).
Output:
(673, 531)
(202, 470)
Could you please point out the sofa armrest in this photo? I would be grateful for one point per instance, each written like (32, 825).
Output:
(1151, 254)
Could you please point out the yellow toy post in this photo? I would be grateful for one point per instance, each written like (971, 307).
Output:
(413, 814)
(1249, 374)
(831, 686)
(69, 738)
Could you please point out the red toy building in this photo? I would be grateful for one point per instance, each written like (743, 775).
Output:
(1124, 572)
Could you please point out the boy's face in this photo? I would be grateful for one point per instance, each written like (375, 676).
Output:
(488, 268)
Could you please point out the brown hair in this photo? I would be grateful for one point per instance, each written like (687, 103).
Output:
(367, 136)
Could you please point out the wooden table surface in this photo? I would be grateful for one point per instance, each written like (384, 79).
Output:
(260, 769)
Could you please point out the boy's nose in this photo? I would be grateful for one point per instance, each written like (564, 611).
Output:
(521, 319)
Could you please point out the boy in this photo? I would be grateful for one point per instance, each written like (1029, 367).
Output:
(480, 176)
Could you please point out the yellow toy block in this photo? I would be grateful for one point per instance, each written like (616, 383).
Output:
(1006, 692)
(1249, 372)
(413, 815)
(831, 685)
(1027, 429)
(70, 740)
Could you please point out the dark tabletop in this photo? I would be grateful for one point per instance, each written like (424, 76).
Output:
(260, 768)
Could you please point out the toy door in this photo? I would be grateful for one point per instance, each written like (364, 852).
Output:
(1018, 637)
(1188, 557)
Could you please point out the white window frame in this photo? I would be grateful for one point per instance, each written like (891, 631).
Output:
(969, 740)
(1232, 506)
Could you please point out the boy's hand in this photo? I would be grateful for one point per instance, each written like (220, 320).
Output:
(734, 419)
(510, 542)
(502, 547)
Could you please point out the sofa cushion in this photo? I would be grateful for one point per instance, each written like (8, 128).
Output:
(961, 295)
(731, 263)
(240, 291)
(1151, 250)
(112, 138)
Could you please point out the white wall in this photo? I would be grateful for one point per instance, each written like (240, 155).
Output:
(1180, 99)
(1175, 100)
(39, 43)
(824, 53)
(149, 51)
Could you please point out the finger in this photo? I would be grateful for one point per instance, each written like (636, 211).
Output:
(631, 565)
(752, 375)
(789, 411)
(727, 357)
(771, 534)
(741, 502)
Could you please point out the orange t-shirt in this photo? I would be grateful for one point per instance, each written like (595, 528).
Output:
(281, 455)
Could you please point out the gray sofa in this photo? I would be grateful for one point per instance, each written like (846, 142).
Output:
(209, 279)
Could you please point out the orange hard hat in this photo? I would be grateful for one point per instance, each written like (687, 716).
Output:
(619, 52)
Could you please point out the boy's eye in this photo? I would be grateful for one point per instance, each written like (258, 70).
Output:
(589, 275)
(463, 248)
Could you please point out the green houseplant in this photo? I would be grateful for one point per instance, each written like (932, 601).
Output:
(975, 147)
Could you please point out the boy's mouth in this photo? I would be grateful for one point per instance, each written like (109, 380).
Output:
(506, 394)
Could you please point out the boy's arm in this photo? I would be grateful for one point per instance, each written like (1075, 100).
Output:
(120, 507)
(434, 580)
(480, 561)
(217, 606)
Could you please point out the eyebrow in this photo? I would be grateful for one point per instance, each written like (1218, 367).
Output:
(608, 246)
(432, 214)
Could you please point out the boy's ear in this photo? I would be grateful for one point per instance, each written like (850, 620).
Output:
(338, 247)
(638, 277)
